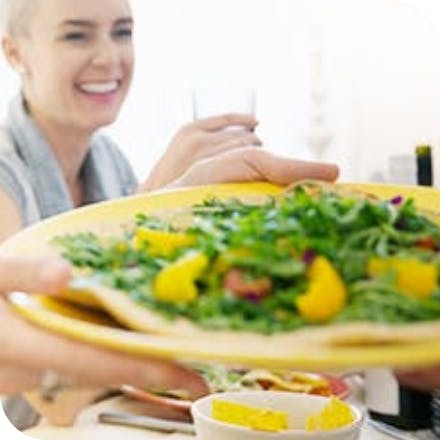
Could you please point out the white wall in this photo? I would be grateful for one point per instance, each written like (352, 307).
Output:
(381, 68)
(397, 83)
(180, 43)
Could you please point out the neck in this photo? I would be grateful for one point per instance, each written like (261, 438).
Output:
(69, 145)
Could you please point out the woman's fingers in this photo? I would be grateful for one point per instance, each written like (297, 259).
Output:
(46, 275)
(200, 140)
(160, 375)
(224, 121)
(283, 170)
(155, 376)
(224, 143)
(34, 349)
(250, 164)
(241, 137)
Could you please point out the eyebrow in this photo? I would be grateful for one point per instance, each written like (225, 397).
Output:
(88, 23)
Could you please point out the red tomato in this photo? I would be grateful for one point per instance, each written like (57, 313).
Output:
(235, 281)
(426, 243)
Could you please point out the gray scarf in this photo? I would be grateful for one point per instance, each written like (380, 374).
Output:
(41, 187)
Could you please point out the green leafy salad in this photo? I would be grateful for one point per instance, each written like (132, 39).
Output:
(308, 257)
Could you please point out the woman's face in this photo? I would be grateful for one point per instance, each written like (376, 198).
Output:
(78, 61)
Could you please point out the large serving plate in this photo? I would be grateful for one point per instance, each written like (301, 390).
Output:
(95, 328)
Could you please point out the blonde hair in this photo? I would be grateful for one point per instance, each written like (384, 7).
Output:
(15, 15)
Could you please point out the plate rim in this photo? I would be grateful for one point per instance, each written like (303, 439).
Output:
(422, 353)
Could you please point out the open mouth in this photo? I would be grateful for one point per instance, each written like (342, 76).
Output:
(100, 88)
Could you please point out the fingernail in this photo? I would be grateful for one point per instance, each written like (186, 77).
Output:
(55, 273)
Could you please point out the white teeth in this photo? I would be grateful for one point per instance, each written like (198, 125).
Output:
(106, 87)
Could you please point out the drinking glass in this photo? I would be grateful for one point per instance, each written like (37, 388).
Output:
(215, 99)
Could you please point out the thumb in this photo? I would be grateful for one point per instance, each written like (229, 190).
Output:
(47, 275)
(284, 170)
(163, 375)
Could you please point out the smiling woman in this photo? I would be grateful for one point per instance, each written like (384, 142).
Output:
(75, 64)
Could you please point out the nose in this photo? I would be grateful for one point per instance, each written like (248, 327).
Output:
(106, 54)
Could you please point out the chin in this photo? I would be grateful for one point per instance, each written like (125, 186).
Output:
(93, 115)
(96, 122)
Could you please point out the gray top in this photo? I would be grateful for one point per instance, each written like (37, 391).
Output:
(32, 176)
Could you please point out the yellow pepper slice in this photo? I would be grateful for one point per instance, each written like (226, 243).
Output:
(249, 416)
(326, 295)
(413, 277)
(160, 243)
(334, 415)
(176, 282)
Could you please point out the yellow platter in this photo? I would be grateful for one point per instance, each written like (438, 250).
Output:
(93, 327)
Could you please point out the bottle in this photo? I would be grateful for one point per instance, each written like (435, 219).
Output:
(424, 165)
(390, 402)
(435, 405)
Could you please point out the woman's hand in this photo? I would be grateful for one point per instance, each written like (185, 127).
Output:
(28, 351)
(199, 140)
(253, 164)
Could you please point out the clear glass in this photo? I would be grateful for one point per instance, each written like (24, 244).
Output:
(216, 99)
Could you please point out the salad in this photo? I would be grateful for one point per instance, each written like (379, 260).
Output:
(317, 255)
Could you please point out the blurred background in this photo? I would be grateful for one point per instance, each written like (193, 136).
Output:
(350, 81)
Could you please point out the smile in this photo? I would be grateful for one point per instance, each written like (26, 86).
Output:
(101, 88)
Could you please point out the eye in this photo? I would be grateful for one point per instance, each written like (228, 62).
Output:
(124, 33)
(75, 36)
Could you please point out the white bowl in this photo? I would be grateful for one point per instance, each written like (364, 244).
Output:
(297, 406)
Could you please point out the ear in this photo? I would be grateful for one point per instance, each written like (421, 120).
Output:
(12, 53)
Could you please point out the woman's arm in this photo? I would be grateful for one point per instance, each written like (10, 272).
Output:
(10, 219)
(28, 351)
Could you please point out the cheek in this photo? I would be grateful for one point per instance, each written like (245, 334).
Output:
(55, 85)
(128, 62)
(65, 68)
(54, 77)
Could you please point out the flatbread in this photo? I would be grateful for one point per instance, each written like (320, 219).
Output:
(140, 318)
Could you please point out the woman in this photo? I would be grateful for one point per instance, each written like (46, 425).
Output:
(75, 60)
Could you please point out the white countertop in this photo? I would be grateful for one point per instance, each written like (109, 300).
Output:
(87, 427)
